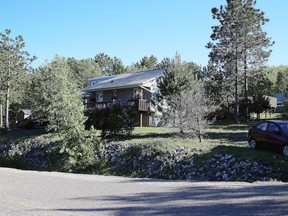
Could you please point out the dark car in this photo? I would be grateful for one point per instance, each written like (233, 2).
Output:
(271, 134)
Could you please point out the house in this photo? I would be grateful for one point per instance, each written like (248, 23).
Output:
(24, 114)
(137, 87)
(281, 100)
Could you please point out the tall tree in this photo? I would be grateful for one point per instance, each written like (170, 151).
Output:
(109, 65)
(178, 78)
(56, 97)
(147, 63)
(239, 43)
(83, 70)
(117, 66)
(105, 63)
(14, 62)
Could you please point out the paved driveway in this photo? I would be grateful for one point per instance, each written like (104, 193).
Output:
(49, 193)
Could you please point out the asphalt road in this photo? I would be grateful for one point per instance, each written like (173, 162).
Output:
(50, 193)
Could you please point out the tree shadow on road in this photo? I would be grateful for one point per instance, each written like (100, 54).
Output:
(197, 199)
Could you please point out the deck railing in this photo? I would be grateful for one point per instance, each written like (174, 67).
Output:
(141, 104)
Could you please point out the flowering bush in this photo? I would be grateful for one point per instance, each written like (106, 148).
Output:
(117, 119)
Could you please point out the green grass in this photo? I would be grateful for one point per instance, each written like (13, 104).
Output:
(21, 134)
(221, 139)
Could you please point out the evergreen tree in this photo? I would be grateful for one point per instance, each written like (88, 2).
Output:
(84, 69)
(14, 63)
(239, 43)
(56, 98)
(109, 65)
(178, 78)
(147, 63)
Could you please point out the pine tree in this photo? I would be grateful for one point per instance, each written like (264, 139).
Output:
(239, 43)
(14, 62)
(57, 98)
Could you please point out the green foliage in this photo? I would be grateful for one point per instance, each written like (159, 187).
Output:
(14, 64)
(259, 104)
(56, 98)
(261, 83)
(179, 76)
(118, 119)
(147, 63)
(239, 44)
(79, 148)
(83, 70)
(109, 65)
(182, 99)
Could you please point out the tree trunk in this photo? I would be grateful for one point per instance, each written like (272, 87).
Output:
(1, 114)
(8, 94)
(228, 110)
(7, 109)
(236, 108)
(246, 90)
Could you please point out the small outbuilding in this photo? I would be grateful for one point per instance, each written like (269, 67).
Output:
(24, 114)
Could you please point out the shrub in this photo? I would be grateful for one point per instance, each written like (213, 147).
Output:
(117, 119)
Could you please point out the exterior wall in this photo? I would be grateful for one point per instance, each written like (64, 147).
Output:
(122, 94)
(143, 118)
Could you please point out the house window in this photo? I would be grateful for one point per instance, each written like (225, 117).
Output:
(115, 94)
(137, 93)
(99, 97)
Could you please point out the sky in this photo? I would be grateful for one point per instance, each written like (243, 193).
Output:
(128, 29)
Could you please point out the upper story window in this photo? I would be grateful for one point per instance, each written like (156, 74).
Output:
(137, 93)
(115, 94)
(99, 97)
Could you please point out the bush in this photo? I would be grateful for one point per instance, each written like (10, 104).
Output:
(117, 119)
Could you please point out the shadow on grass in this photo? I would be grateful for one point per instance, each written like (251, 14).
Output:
(233, 137)
(21, 134)
(244, 152)
(231, 127)
(146, 136)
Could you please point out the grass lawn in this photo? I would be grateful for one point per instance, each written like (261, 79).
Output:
(21, 134)
(221, 139)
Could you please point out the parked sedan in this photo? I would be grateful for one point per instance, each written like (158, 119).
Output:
(271, 134)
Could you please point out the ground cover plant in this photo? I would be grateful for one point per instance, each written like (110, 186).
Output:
(160, 152)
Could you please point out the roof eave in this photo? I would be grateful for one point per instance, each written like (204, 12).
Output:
(114, 87)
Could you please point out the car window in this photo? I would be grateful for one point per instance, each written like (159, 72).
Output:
(272, 127)
(262, 126)
(284, 128)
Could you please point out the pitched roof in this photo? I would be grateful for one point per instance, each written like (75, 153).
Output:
(127, 80)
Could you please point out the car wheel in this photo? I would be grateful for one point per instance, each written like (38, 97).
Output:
(253, 144)
(285, 150)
